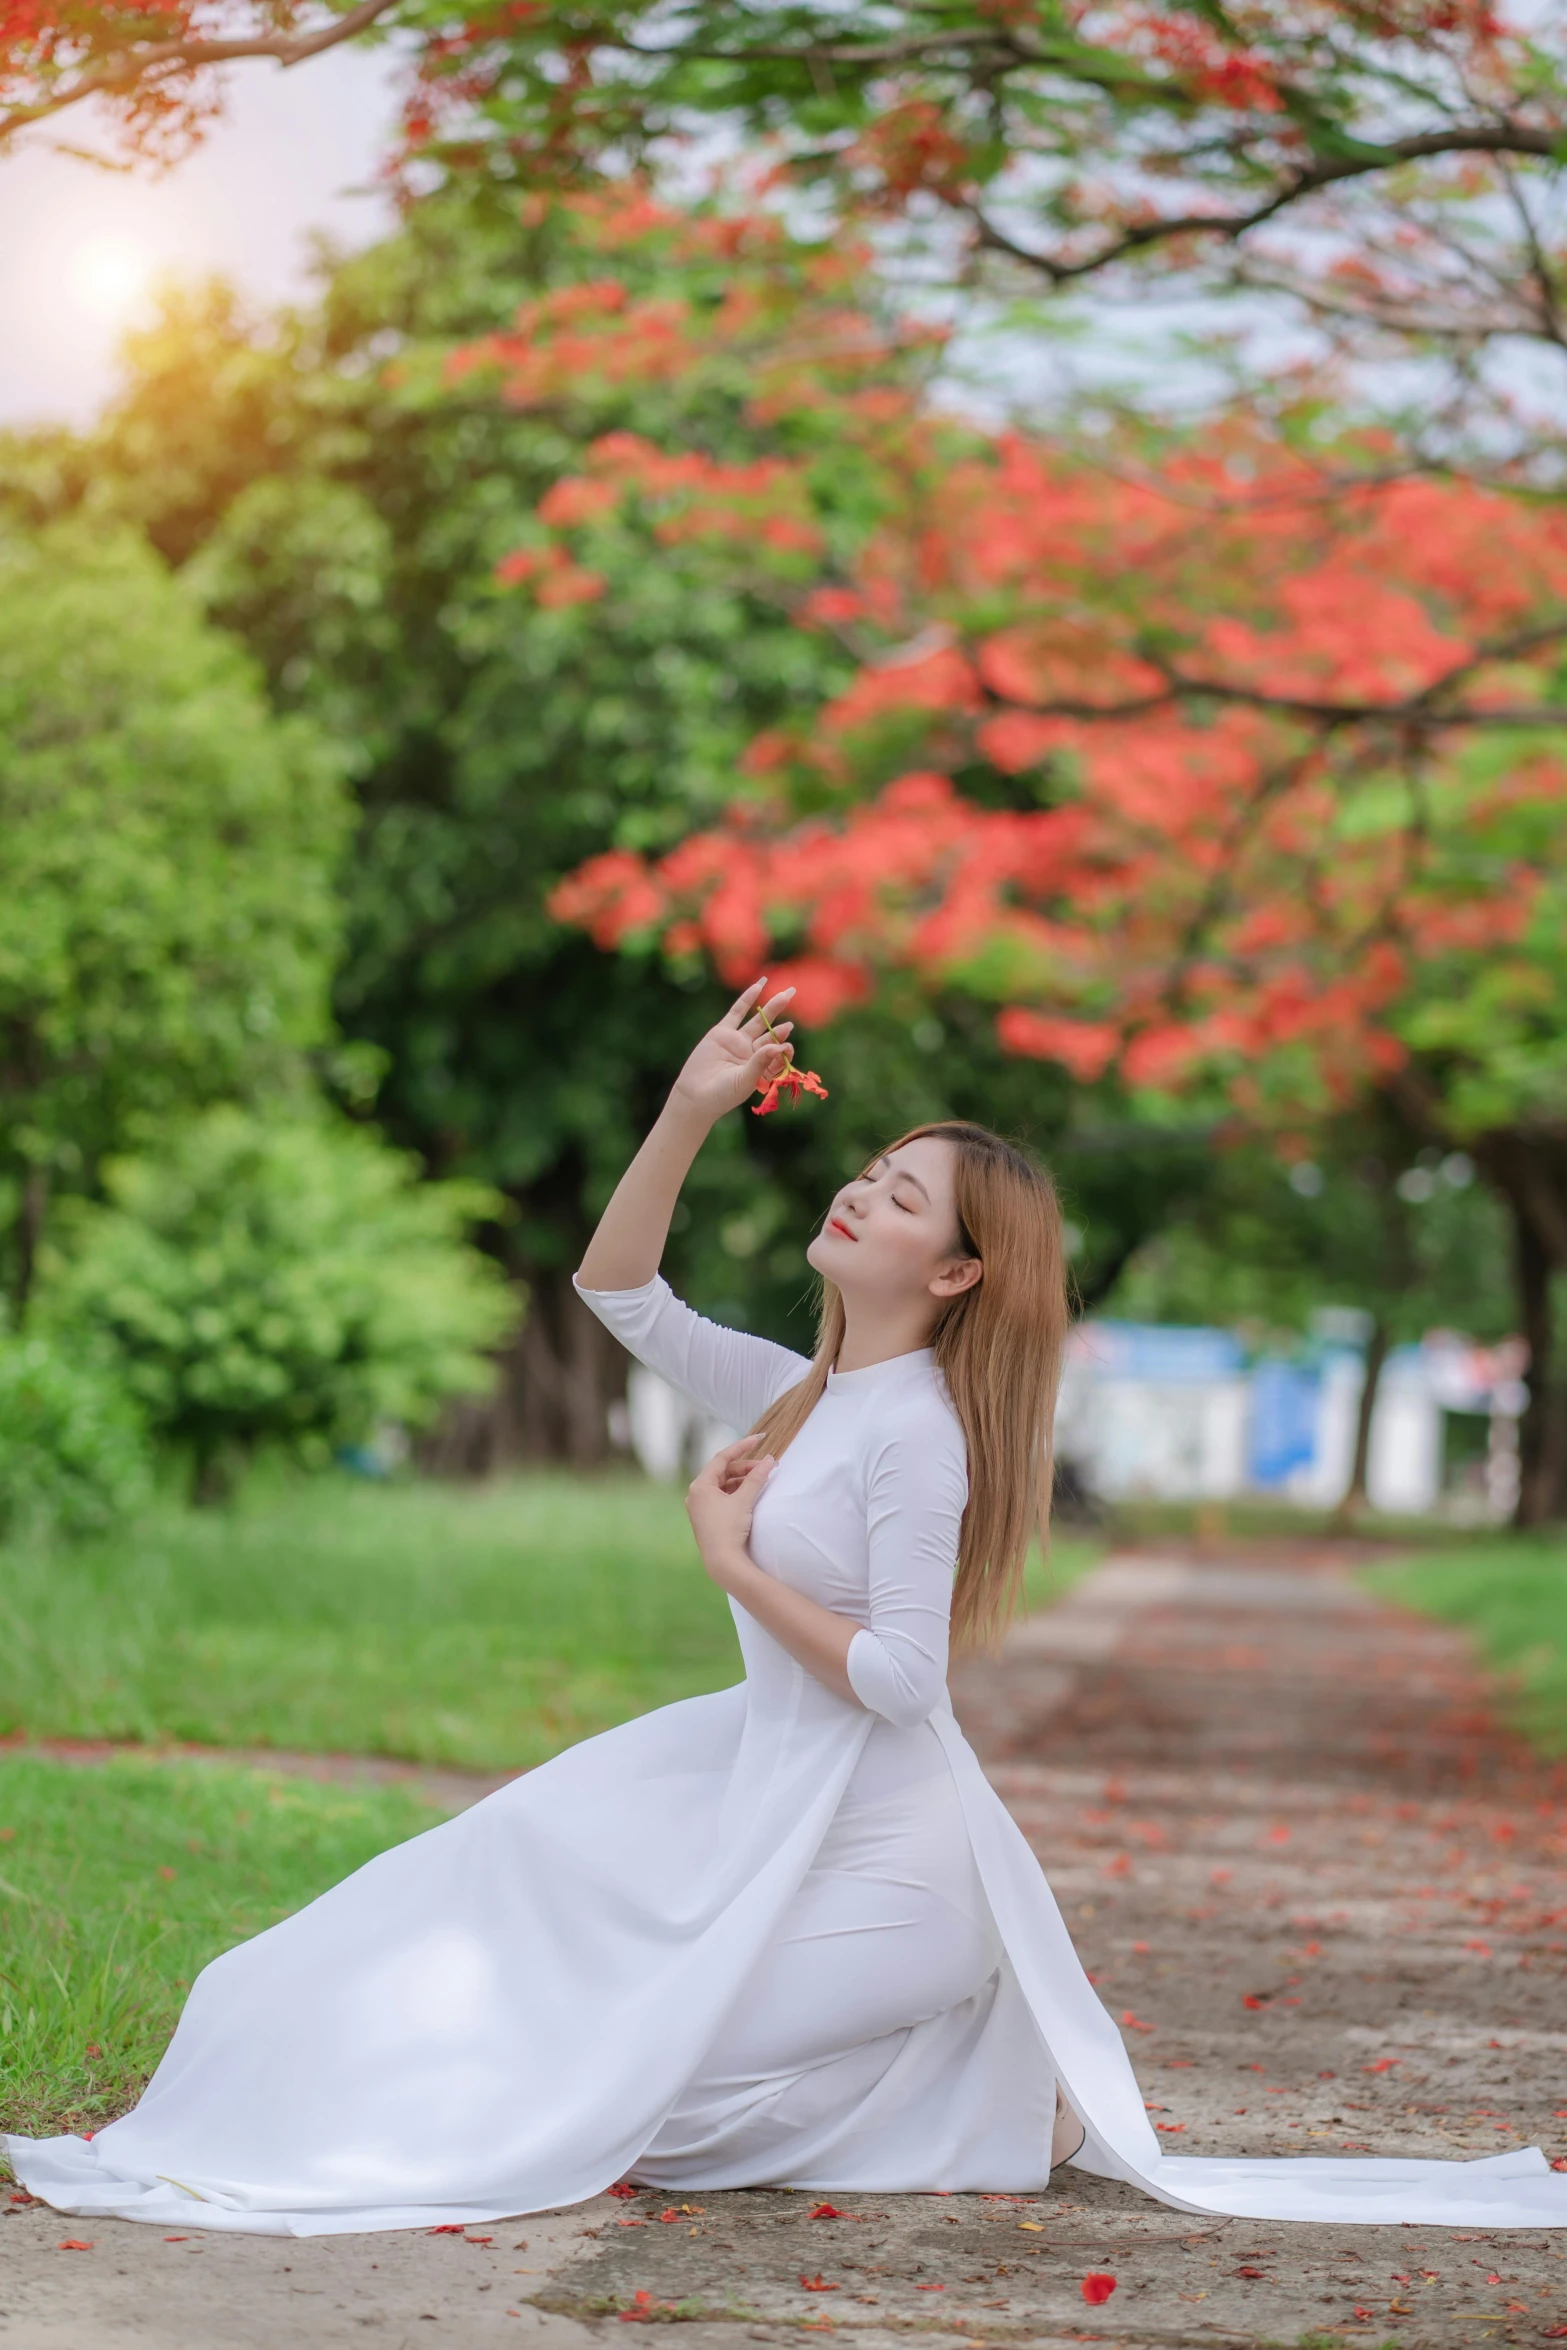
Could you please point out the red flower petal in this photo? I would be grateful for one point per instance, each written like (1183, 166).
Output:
(1096, 2289)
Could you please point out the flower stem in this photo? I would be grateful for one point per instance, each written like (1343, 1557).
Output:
(772, 1032)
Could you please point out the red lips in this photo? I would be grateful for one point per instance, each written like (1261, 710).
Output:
(837, 1224)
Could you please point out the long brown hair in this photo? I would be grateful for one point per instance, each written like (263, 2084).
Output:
(998, 1346)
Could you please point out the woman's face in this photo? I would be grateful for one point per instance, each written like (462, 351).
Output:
(891, 1235)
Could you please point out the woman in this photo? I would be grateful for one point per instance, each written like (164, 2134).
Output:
(783, 1935)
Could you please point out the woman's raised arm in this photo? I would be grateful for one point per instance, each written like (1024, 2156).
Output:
(727, 1065)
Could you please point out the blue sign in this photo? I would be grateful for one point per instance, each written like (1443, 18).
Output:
(1282, 1435)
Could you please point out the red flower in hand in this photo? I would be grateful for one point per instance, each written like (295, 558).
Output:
(793, 1082)
(789, 1079)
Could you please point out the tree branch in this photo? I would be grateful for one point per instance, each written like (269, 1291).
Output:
(144, 64)
(1471, 139)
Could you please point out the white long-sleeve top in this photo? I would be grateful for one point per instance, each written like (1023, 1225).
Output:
(863, 1511)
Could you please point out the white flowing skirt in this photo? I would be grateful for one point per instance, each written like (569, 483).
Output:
(760, 1937)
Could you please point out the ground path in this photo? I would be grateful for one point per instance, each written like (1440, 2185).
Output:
(1321, 1888)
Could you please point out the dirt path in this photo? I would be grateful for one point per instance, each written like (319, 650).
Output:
(1324, 1892)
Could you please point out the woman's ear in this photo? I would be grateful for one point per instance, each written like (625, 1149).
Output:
(959, 1274)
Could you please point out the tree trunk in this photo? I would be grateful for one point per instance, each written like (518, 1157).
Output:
(558, 1379)
(1378, 1346)
(31, 1218)
(1542, 1432)
(215, 1471)
(1528, 1169)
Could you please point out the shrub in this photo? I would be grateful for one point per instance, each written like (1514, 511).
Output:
(168, 867)
(284, 1278)
(73, 1451)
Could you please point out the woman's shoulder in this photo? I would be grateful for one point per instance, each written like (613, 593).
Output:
(916, 1409)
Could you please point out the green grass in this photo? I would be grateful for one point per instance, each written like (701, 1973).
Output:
(119, 1882)
(485, 1626)
(1510, 1591)
(482, 1626)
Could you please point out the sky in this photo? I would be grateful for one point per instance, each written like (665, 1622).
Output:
(81, 248)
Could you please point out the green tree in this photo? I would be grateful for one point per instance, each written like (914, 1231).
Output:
(167, 855)
(344, 521)
(266, 1277)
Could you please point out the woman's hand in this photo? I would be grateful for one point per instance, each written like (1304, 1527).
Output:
(736, 1057)
(720, 1505)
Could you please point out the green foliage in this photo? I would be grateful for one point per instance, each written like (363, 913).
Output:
(73, 1451)
(277, 1276)
(166, 863)
(118, 1884)
(1488, 1020)
(1412, 1238)
(1511, 1592)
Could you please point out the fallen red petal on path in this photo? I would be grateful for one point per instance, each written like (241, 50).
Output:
(818, 2284)
(451, 2228)
(74, 2244)
(824, 2211)
(1097, 2288)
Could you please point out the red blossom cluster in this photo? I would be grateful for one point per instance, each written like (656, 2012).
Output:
(1203, 893)
(1225, 715)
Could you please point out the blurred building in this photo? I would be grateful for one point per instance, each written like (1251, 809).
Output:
(1157, 1414)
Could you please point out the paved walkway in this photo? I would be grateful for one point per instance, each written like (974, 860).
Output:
(1321, 1887)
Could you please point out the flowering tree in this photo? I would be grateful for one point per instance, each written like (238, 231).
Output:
(1207, 777)
(1389, 165)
